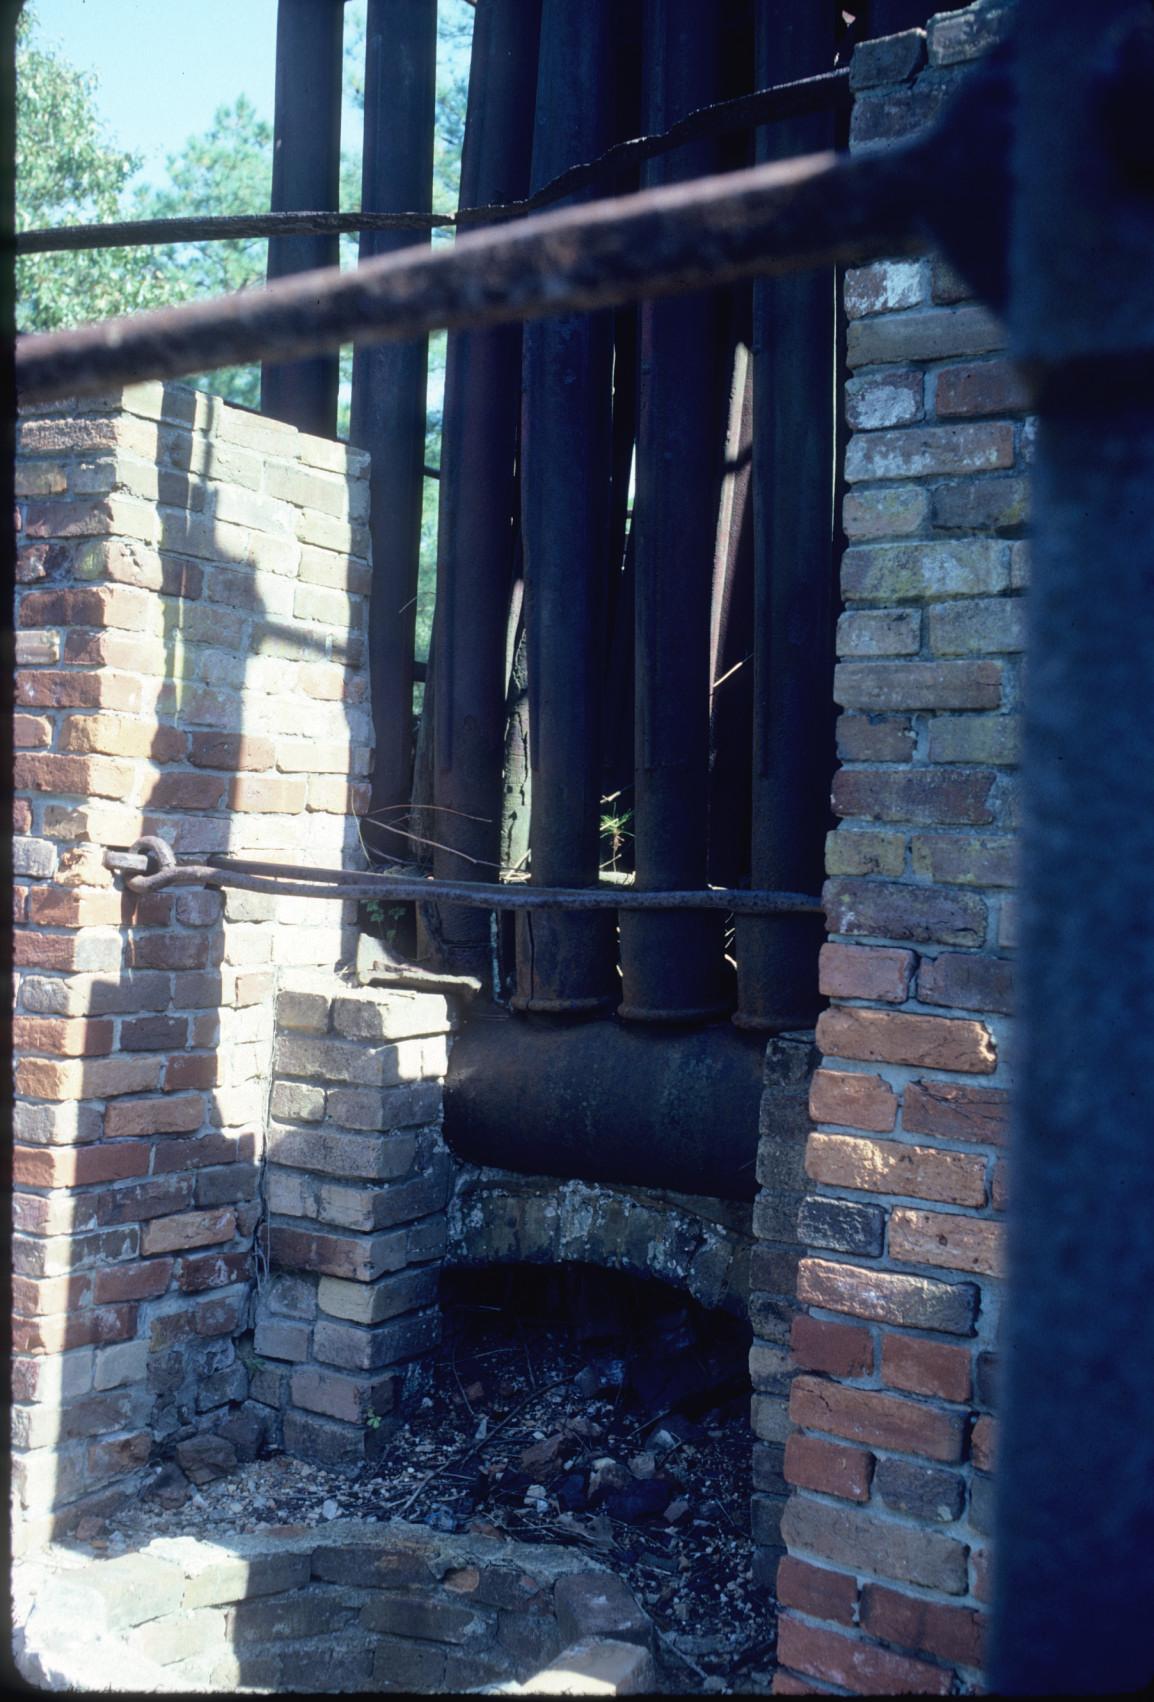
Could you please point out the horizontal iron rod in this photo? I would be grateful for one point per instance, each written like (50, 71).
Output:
(784, 100)
(346, 883)
(821, 209)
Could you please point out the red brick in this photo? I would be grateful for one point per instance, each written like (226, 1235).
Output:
(842, 1350)
(37, 1299)
(924, 1367)
(223, 1315)
(981, 1578)
(999, 1196)
(882, 1421)
(154, 1033)
(898, 1037)
(120, 1455)
(86, 605)
(816, 1591)
(852, 1100)
(165, 1115)
(929, 451)
(184, 792)
(249, 793)
(862, 1668)
(21, 816)
(144, 1279)
(75, 1167)
(62, 1331)
(951, 1633)
(980, 387)
(216, 1148)
(957, 1111)
(151, 909)
(157, 1198)
(828, 1468)
(785, 1684)
(893, 1167)
(64, 1037)
(48, 688)
(875, 738)
(949, 1240)
(967, 982)
(851, 1539)
(926, 797)
(76, 907)
(918, 685)
(213, 1270)
(79, 776)
(865, 972)
(96, 1078)
(962, 860)
(230, 751)
(191, 1070)
(188, 1229)
(898, 911)
(983, 1443)
(888, 1297)
(168, 951)
(31, 732)
(119, 735)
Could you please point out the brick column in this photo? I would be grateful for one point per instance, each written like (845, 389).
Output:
(190, 664)
(357, 1186)
(885, 1583)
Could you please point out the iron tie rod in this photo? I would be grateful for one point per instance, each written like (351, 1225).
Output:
(151, 866)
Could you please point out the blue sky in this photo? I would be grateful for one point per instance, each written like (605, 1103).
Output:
(164, 66)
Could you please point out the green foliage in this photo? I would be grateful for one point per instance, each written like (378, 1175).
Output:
(69, 171)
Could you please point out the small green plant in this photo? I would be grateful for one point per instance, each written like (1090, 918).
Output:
(615, 828)
(387, 917)
(372, 1420)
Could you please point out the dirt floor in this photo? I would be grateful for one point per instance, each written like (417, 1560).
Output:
(624, 1430)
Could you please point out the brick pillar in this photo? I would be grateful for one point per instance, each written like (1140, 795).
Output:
(885, 1583)
(357, 1185)
(190, 664)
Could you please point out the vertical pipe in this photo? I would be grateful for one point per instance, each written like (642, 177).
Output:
(565, 962)
(671, 965)
(390, 379)
(1074, 1522)
(793, 481)
(305, 178)
(476, 536)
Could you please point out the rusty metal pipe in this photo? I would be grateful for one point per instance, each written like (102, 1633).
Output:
(305, 174)
(793, 473)
(389, 380)
(566, 962)
(553, 1099)
(476, 544)
(671, 969)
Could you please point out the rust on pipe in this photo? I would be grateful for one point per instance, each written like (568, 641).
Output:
(787, 216)
(785, 100)
(144, 871)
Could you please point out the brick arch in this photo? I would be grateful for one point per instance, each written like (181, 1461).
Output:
(701, 1245)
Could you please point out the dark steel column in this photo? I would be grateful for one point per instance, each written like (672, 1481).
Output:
(671, 965)
(1074, 1548)
(793, 471)
(305, 178)
(565, 962)
(389, 379)
(476, 538)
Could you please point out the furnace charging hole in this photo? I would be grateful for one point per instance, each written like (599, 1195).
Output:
(584, 1407)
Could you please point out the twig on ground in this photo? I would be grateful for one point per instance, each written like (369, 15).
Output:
(458, 1459)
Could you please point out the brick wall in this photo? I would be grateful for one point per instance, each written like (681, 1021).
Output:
(884, 1585)
(356, 1183)
(190, 620)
